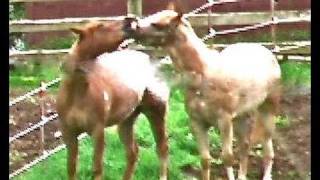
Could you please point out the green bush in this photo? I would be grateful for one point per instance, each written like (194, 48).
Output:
(16, 11)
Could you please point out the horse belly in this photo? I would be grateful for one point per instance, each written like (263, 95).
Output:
(251, 99)
(124, 103)
(213, 103)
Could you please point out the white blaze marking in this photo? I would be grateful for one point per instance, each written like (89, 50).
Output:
(202, 104)
(105, 96)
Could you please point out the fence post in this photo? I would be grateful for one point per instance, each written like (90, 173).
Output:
(42, 94)
(134, 7)
(273, 26)
(209, 15)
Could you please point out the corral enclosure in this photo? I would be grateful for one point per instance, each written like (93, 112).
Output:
(293, 124)
(84, 8)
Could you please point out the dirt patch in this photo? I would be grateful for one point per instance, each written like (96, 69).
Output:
(22, 116)
(291, 144)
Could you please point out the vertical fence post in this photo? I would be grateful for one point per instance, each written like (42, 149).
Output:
(209, 15)
(273, 26)
(42, 93)
(134, 7)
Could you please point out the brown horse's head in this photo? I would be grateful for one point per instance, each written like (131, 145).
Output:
(159, 28)
(96, 37)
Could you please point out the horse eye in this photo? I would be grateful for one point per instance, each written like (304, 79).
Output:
(158, 26)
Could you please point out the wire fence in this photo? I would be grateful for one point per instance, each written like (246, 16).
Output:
(43, 157)
(209, 4)
(34, 92)
(44, 120)
(212, 33)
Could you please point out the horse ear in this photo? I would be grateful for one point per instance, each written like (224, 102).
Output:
(176, 6)
(176, 20)
(78, 31)
(171, 6)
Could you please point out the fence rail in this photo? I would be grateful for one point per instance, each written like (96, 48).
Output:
(237, 18)
(45, 54)
(29, 1)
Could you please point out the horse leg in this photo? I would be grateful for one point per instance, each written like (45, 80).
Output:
(267, 113)
(157, 118)
(244, 127)
(200, 132)
(71, 142)
(98, 138)
(267, 145)
(126, 136)
(226, 131)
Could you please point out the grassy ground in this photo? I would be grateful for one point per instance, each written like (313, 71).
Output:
(296, 74)
(181, 142)
(28, 75)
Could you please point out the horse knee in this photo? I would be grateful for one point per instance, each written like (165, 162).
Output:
(227, 158)
(132, 154)
(244, 147)
(162, 149)
(205, 163)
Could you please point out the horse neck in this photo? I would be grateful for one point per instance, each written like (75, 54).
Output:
(79, 54)
(188, 52)
(78, 63)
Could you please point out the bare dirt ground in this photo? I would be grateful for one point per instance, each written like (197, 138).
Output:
(22, 116)
(292, 142)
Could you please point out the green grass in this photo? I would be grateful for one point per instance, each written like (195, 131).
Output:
(282, 121)
(296, 74)
(28, 76)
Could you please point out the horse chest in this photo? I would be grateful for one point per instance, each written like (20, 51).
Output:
(79, 116)
(210, 102)
(201, 108)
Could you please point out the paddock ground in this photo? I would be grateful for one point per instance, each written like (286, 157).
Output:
(292, 141)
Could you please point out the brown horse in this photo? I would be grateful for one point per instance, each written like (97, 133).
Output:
(104, 89)
(236, 86)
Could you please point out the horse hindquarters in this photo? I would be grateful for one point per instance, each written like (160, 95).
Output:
(259, 127)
